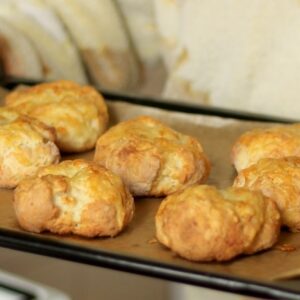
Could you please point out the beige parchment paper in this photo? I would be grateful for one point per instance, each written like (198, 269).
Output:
(217, 136)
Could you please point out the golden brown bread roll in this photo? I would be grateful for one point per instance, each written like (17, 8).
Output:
(278, 179)
(77, 197)
(217, 225)
(275, 142)
(78, 113)
(8, 115)
(25, 146)
(152, 159)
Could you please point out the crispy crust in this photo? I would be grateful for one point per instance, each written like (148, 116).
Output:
(278, 179)
(151, 158)
(78, 113)
(9, 115)
(275, 142)
(76, 197)
(25, 146)
(217, 225)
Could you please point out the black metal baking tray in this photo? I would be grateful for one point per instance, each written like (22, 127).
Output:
(55, 247)
(32, 244)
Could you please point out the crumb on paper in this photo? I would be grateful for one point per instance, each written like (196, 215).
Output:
(286, 247)
(152, 241)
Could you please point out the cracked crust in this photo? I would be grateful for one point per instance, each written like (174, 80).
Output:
(217, 225)
(151, 158)
(78, 113)
(274, 142)
(25, 146)
(76, 197)
(278, 179)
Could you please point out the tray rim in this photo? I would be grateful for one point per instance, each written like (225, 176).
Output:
(38, 245)
(33, 243)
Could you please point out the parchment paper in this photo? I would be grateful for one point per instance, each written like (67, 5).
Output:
(217, 136)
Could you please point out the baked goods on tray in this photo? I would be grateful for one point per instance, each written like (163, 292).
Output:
(151, 158)
(278, 179)
(76, 197)
(202, 223)
(78, 113)
(146, 157)
(25, 146)
(274, 142)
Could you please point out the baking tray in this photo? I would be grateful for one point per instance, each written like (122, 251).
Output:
(135, 251)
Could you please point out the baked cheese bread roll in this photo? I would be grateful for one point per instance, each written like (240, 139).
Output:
(25, 146)
(152, 159)
(278, 179)
(205, 224)
(275, 142)
(78, 113)
(76, 197)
